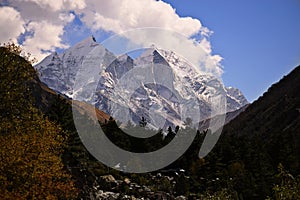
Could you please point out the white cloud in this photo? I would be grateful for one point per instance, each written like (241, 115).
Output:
(11, 24)
(46, 37)
(57, 5)
(66, 17)
(43, 19)
(118, 16)
(46, 19)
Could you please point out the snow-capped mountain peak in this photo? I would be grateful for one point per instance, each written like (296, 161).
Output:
(174, 81)
(58, 71)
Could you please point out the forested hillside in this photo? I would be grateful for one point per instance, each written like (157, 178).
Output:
(42, 156)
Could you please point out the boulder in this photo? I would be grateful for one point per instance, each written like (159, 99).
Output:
(107, 182)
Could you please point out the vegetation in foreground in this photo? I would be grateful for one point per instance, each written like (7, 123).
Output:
(42, 156)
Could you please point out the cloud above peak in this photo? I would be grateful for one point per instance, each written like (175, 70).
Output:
(40, 25)
(118, 16)
(11, 24)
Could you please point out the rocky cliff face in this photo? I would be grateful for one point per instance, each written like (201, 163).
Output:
(155, 85)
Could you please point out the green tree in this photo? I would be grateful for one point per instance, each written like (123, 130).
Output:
(30, 145)
(16, 75)
(288, 187)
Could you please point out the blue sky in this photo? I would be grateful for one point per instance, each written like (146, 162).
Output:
(258, 40)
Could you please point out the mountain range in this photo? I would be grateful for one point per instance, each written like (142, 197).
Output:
(76, 73)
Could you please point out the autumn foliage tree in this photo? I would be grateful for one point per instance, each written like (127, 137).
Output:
(30, 144)
(31, 166)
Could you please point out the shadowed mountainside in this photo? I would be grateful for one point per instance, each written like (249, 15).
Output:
(243, 164)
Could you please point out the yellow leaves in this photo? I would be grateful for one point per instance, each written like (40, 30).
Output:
(31, 166)
(30, 145)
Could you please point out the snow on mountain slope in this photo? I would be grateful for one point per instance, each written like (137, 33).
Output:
(235, 98)
(58, 71)
(155, 85)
